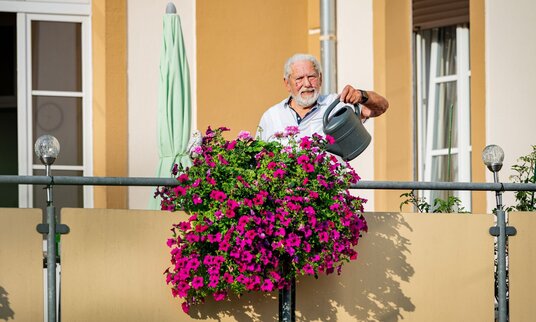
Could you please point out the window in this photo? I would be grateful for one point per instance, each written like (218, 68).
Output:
(443, 108)
(49, 92)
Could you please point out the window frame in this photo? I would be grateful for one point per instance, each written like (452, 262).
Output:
(25, 94)
(426, 106)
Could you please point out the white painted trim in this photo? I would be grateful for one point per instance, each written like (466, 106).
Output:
(58, 93)
(420, 57)
(59, 167)
(446, 79)
(464, 112)
(22, 119)
(28, 146)
(83, 9)
(87, 103)
(25, 96)
(430, 113)
(439, 152)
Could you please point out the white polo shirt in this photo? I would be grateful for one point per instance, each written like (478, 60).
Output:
(278, 117)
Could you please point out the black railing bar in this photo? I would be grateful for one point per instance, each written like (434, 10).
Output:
(88, 181)
(147, 181)
(427, 185)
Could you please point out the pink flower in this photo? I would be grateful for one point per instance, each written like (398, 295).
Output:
(183, 178)
(307, 167)
(228, 278)
(330, 139)
(220, 295)
(218, 195)
(244, 135)
(196, 199)
(197, 150)
(231, 145)
(267, 285)
(323, 236)
(308, 269)
(302, 159)
(178, 190)
(197, 282)
(305, 142)
(291, 130)
(279, 173)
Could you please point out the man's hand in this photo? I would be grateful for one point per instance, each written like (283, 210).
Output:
(376, 104)
(350, 95)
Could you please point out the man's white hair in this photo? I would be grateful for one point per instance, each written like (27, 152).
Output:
(301, 57)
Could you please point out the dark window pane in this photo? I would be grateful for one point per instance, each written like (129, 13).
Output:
(8, 54)
(60, 117)
(56, 56)
(9, 193)
(62, 196)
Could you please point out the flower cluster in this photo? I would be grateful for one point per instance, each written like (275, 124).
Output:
(255, 207)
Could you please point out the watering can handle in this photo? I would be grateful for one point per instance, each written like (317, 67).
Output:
(328, 111)
(332, 106)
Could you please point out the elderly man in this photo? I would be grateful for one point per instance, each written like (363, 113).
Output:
(305, 107)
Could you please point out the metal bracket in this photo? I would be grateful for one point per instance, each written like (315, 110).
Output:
(60, 229)
(510, 231)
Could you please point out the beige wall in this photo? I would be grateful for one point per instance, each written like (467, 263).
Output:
(522, 257)
(393, 149)
(408, 269)
(478, 99)
(510, 69)
(109, 39)
(21, 265)
(241, 49)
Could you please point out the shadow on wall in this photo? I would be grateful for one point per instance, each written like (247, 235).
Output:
(367, 290)
(5, 310)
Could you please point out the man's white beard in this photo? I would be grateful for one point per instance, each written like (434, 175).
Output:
(306, 102)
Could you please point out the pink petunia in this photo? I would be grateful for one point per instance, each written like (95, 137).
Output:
(292, 130)
(196, 199)
(267, 285)
(185, 307)
(220, 295)
(302, 159)
(197, 282)
(308, 269)
(279, 173)
(244, 135)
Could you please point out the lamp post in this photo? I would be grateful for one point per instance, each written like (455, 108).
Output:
(47, 149)
(493, 157)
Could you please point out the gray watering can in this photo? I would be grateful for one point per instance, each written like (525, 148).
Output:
(345, 126)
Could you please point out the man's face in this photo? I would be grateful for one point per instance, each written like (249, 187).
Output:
(304, 83)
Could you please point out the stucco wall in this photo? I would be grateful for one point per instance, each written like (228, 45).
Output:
(395, 278)
(355, 67)
(511, 77)
(144, 46)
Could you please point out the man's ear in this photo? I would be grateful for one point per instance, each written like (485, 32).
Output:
(287, 84)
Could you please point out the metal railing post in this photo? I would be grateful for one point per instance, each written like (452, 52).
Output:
(51, 263)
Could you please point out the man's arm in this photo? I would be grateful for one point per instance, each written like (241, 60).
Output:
(375, 105)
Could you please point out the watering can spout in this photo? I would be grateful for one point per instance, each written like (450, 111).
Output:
(345, 126)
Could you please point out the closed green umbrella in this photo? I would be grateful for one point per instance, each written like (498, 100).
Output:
(174, 99)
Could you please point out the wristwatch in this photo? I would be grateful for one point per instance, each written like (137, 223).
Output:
(364, 97)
